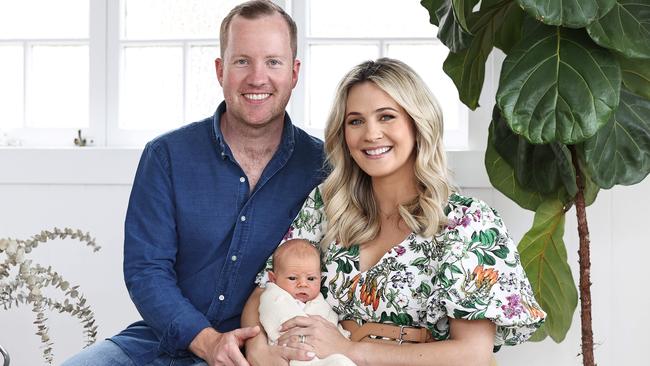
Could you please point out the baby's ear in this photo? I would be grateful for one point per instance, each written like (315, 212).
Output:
(272, 277)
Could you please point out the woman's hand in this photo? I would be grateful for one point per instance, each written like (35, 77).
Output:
(317, 334)
(259, 352)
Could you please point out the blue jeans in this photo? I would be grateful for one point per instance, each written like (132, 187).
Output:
(107, 353)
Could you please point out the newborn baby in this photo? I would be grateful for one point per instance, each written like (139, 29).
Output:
(294, 290)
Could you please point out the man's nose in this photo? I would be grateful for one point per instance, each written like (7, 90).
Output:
(258, 74)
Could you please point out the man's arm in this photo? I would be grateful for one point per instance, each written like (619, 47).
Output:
(150, 248)
(222, 348)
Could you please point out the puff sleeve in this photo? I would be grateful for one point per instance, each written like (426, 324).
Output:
(481, 276)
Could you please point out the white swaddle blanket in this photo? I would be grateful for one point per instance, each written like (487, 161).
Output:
(278, 306)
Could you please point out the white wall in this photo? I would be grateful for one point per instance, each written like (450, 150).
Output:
(89, 188)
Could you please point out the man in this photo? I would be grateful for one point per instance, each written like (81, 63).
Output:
(210, 202)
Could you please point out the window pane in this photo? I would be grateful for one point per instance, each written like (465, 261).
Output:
(152, 88)
(11, 87)
(369, 18)
(327, 66)
(44, 19)
(426, 60)
(164, 19)
(58, 87)
(203, 89)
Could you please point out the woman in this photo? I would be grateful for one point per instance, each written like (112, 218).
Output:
(399, 247)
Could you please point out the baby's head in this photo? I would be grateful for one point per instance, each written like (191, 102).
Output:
(296, 269)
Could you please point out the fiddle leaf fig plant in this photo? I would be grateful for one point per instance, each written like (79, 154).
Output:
(571, 117)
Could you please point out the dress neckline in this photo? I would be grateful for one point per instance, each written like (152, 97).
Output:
(357, 258)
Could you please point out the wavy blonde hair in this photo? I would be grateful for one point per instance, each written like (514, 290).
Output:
(350, 206)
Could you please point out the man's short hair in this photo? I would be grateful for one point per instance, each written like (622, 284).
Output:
(253, 10)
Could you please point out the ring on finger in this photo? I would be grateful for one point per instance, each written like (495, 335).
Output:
(301, 338)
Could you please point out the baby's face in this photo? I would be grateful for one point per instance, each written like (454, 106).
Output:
(300, 277)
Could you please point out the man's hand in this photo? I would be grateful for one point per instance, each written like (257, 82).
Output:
(222, 348)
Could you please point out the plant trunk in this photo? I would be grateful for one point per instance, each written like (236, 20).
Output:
(585, 268)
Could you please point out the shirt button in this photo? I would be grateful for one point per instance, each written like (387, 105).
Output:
(243, 218)
(242, 179)
(221, 297)
(233, 258)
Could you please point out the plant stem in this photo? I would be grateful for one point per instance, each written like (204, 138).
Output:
(585, 268)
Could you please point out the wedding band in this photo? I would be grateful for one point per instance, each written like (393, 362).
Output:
(301, 338)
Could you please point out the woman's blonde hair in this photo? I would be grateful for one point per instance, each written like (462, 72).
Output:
(350, 206)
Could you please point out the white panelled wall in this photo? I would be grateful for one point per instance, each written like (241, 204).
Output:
(89, 189)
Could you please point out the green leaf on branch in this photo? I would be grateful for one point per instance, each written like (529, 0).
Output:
(538, 168)
(636, 75)
(565, 169)
(432, 7)
(544, 258)
(591, 188)
(625, 28)
(463, 9)
(567, 13)
(556, 85)
(539, 335)
(502, 177)
(510, 30)
(450, 32)
(450, 29)
(620, 151)
(467, 67)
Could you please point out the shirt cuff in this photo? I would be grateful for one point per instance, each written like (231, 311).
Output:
(180, 333)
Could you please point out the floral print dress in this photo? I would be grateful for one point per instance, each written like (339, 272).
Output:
(469, 270)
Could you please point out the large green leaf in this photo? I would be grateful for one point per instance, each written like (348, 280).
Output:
(636, 75)
(556, 85)
(544, 258)
(620, 151)
(510, 30)
(565, 169)
(432, 7)
(537, 168)
(502, 177)
(463, 9)
(467, 67)
(567, 13)
(626, 28)
(450, 30)
(591, 189)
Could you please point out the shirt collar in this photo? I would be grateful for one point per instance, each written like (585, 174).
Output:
(287, 142)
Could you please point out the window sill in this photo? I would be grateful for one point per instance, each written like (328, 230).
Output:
(68, 165)
(117, 166)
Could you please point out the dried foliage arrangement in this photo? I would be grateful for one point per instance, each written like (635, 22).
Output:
(23, 282)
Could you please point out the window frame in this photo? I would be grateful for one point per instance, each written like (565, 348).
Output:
(105, 57)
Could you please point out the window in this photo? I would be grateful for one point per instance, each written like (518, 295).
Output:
(125, 71)
(338, 34)
(45, 68)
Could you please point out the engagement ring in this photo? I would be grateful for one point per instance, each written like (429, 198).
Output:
(301, 338)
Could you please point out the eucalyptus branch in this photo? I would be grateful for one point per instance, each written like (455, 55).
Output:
(30, 279)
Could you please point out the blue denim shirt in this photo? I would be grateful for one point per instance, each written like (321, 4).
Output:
(195, 236)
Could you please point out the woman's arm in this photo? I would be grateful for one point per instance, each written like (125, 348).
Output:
(470, 344)
(258, 351)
